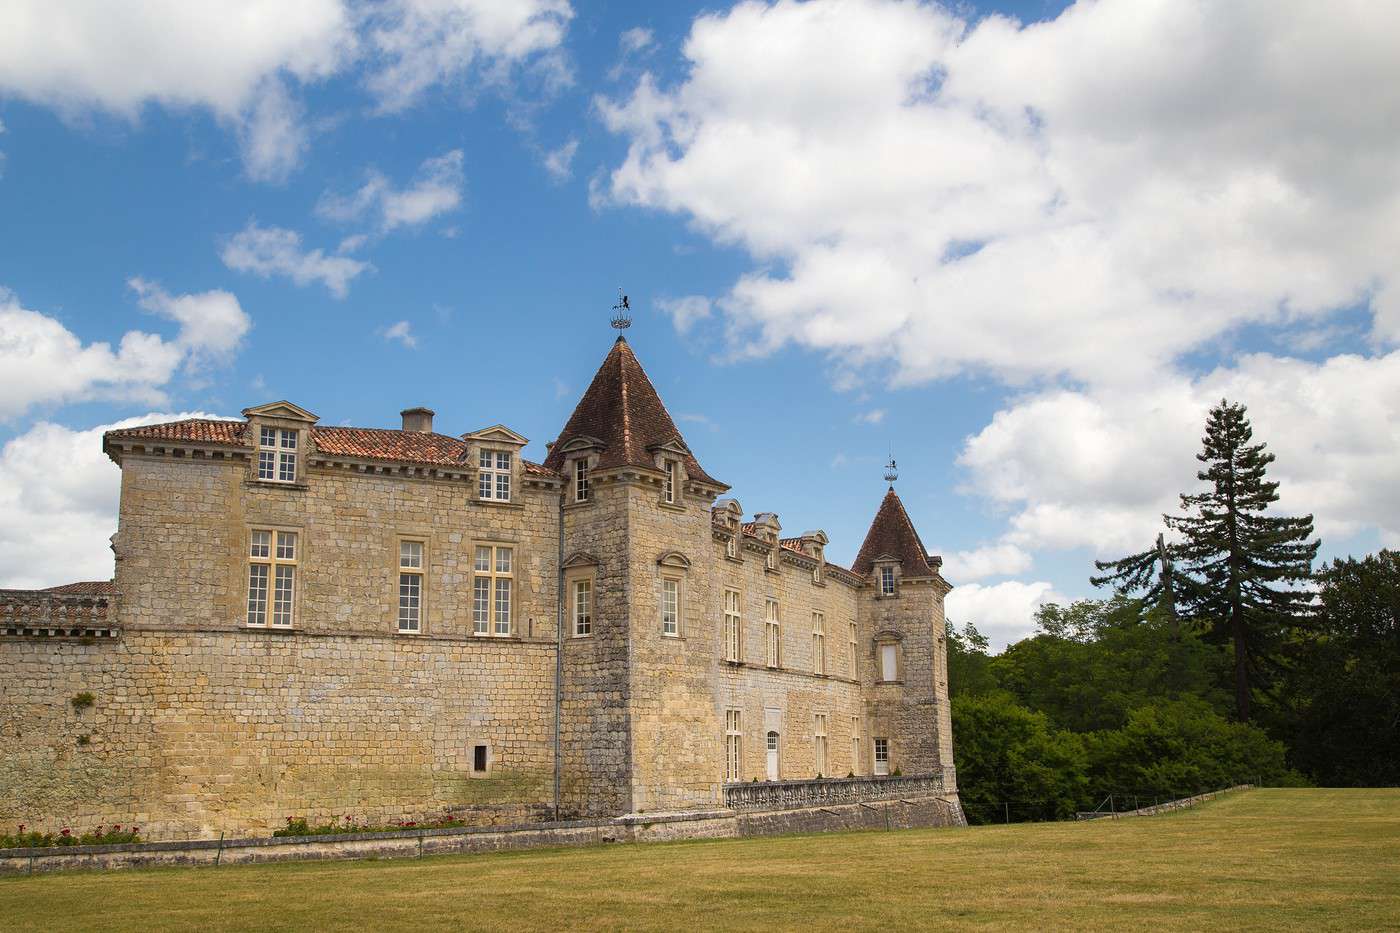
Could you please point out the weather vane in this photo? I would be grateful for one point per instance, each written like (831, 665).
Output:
(891, 472)
(622, 312)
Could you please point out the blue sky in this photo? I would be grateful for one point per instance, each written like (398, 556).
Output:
(1003, 247)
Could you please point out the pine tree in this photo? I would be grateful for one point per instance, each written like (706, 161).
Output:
(1151, 571)
(1238, 570)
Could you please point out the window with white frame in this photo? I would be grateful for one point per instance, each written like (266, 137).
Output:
(672, 471)
(886, 581)
(733, 627)
(817, 573)
(491, 589)
(773, 634)
(882, 756)
(272, 559)
(493, 475)
(852, 657)
(855, 745)
(818, 643)
(819, 743)
(733, 745)
(411, 565)
(889, 661)
(770, 560)
(583, 607)
(277, 455)
(731, 546)
(581, 490)
(670, 607)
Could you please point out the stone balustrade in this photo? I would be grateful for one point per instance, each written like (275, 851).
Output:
(786, 795)
(43, 613)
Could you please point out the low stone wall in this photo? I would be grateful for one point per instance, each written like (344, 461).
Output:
(1164, 807)
(660, 827)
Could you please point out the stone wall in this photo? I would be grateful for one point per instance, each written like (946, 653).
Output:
(194, 733)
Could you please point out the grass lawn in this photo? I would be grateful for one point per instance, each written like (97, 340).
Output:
(1254, 860)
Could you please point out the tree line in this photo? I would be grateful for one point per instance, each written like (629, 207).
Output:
(1222, 657)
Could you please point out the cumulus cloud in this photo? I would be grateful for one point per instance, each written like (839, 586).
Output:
(269, 251)
(989, 560)
(232, 58)
(58, 503)
(435, 190)
(635, 40)
(685, 311)
(1090, 197)
(402, 331)
(1004, 612)
(42, 362)
(421, 43)
(559, 162)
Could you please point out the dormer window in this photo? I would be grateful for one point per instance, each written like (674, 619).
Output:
(494, 475)
(581, 490)
(277, 455)
(671, 468)
(887, 581)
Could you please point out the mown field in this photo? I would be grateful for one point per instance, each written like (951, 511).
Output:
(1254, 860)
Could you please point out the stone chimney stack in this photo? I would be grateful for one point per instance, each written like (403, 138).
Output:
(419, 420)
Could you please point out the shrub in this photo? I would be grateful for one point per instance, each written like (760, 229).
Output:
(82, 701)
(299, 826)
(102, 836)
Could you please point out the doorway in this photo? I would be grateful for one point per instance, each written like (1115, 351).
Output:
(772, 756)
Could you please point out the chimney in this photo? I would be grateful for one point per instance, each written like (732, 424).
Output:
(419, 420)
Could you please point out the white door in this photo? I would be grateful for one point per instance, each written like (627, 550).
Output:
(772, 756)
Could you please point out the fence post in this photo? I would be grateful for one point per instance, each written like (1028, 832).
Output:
(1007, 807)
(219, 853)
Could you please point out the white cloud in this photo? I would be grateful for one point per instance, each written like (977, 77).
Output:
(1090, 197)
(401, 331)
(989, 560)
(268, 251)
(58, 503)
(42, 362)
(873, 416)
(637, 39)
(212, 323)
(559, 162)
(1097, 468)
(421, 43)
(436, 189)
(232, 57)
(1004, 612)
(685, 311)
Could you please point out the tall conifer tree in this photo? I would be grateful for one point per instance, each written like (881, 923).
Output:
(1237, 569)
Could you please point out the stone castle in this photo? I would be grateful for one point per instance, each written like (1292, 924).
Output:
(319, 621)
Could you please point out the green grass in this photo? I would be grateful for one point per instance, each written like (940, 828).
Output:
(1254, 860)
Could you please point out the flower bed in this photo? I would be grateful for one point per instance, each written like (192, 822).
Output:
(298, 826)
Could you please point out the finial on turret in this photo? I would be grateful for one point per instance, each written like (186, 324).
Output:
(891, 472)
(622, 316)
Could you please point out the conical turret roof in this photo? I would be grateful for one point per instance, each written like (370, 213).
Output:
(892, 534)
(621, 410)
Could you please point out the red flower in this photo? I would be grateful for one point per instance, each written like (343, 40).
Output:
(64, 833)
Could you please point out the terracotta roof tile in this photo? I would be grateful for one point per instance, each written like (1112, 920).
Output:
(621, 409)
(87, 588)
(893, 533)
(363, 443)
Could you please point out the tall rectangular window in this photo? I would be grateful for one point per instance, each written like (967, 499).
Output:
(583, 607)
(770, 560)
(410, 586)
(733, 627)
(733, 745)
(773, 634)
(493, 475)
(818, 643)
(882, 756)
(581, 480)
(731, 546)
(491, 590)
(886, 581)
(851, 660)
(889, 662)
(272, 556)
(277, 455)
(670, 607)
(671, 469)
(855, 745)
(819, 743)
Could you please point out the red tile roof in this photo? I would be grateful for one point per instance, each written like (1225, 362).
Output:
(362, 443)
(893, 533)
(88, 588)
(621, 409)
